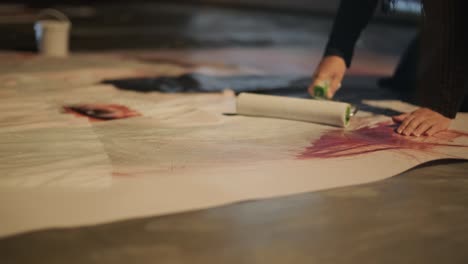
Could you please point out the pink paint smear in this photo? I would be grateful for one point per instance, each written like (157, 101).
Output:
(382, 136)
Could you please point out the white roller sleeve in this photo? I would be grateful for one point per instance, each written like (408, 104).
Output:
(316, 111)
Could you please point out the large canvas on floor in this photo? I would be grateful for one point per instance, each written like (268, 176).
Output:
(175, 152)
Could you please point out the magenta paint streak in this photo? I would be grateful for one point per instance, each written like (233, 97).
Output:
(382, 136)
(100, 112)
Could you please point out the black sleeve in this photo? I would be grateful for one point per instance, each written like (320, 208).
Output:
(442, 77)
(350, 20)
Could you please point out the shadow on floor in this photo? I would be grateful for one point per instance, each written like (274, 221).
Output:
(356, 88)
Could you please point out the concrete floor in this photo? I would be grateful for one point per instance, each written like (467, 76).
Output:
(420, 216)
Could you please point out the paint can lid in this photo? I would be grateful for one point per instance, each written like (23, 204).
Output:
(53, 24)
(52, 19)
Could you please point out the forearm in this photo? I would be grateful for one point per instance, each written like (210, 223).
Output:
(352, 17)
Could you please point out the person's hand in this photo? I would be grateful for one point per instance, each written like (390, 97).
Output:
(331, 69)
(423, 121)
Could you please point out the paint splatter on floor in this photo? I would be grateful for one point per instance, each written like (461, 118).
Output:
(101, 112)
(382, 136)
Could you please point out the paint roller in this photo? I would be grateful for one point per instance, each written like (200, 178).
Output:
(316, 111)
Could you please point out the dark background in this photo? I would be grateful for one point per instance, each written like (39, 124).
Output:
(118, 24)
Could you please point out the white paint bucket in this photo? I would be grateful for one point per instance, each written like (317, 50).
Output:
(52, 35)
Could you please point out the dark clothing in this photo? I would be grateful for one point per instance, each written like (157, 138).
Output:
(442, 81)
(352, 17)
(443, 68)
(404, 76)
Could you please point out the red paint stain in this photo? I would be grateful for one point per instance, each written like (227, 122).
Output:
(382, 136)
(100, 112)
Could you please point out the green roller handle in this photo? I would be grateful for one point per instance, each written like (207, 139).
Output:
(321, 90)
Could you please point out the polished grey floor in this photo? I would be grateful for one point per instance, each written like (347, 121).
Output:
(420, 216)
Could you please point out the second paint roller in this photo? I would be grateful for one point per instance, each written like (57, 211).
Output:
(315, 111)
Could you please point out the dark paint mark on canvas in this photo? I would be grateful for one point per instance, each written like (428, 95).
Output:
(101, 112)
(201, 83)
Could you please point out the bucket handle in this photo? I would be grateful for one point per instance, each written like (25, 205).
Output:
(53, 13)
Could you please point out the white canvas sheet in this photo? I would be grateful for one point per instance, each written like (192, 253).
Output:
(182, 153)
